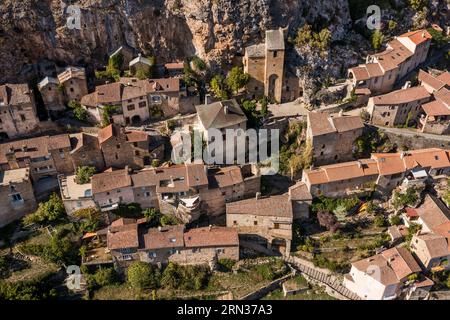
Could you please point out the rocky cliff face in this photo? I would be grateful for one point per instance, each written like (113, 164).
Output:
(34, 32)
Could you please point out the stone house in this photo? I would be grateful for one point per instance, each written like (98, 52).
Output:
(139, 63)
(382, 276)
(129, 240)
(382, 70)
(383, 172)
(265, 65)
(18, 115)
(16, 195)
(433, 83)
(86, 151)
(431, 250)
(53, 96)
(301, 200)
(112, 188)
(436, 114)
(74, 83)
(266, 221)
(136, 100)
(341, 179)
(432, 215)
(333, 138)
(397, 107)
(46, 156)
(75, 196)
(121, 148)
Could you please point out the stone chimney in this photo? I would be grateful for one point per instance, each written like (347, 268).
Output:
(359, 164)
(423, 33)
(210, 227)
(258, 195)
(159, 228)
(24, 148)
(225, 110)
(12, 159)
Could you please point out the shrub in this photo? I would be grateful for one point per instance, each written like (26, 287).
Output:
(401, 199)
(227, 264)
(142, 275)
(131, 210)
(153, 217)
(169, 220)
(395, 220)
(105, 276)
(377, 39)
(36, 289)
(236, 79)
(380, 221)
(84, 174)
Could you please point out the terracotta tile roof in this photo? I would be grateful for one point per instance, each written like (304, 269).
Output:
(444, 77)
(402, 96)
(299, 191)
(123, 236)
(221, 114)
(411, 213)
(393, 265)
(436, 108)
(418, 36)
(59, 142)
(137, 136)
(320, 123)
(108, 132)
(278, 206)
(15, 94)
(428, 79)
(144, 178)
(374, 70)
(71, 73)
(342, 171)
(111, 180)
(443, 230)
(389, 163)
(165, 237)
(161, 85)
(343, 124)
(180, 178)
(174, 65)
(78, 140)
(432, 212)
(224, 177)
(27, 148)
(443, 95)
(360, 73)
(436, 245)
(208, 237)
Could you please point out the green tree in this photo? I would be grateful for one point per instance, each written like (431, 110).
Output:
(170, 277)
(169, 220)
(380, 221)
(392, 25)
(219, 87)
(81, 114)
(377, 39)
(237, 79)
(141, 275)
(418, 5)
(84, 174)
(105, 276)
(49, 211)
(130, 210)
(395, 220)
(141, 74)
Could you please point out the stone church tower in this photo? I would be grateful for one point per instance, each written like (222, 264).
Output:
(265, 65)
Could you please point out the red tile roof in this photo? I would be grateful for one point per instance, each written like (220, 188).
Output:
(214, 236)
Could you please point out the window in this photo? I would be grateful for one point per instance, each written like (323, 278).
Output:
(118, 146)
(172, 251)
(71, 90)
(136, 153)
(118, 191)
(195, 250)
(16, 197)
(275, 54)
(173, 240)
(142, 104)
(130, 107)
(152, 254)
(255, 223)
(276, 226)
(147, 194)
(235, 222)
(22, 117)
(323, 146)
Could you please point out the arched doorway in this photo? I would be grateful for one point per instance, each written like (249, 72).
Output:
(136, 120)
(273, 79)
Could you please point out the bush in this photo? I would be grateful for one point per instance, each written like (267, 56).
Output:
(131, 210)
(395, 220)
(185, 277)
(84, 174)
(316, 40)
(169, 220)
(153, 217)
(236, 79)
(323, 262)
(36, 289)
(402, 199)
(226, 264)
(380, 221)
(142, 275)
(377, 39)
(105, 276)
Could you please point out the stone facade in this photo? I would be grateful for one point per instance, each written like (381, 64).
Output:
(18, 116)
(74, 82)
(333, 139)
(53, 96)
(265, 65)
(16, 195)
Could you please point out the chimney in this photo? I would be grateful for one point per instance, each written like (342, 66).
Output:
(423, 33)
(341, 112)
(210, 227)
(402, 154)
(159, 228)
(207, 99)
(24, 148)
(225, 109)
(258, 195)
(359, 164)
(407, 85)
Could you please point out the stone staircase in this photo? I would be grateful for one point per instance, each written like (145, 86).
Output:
(327, 279)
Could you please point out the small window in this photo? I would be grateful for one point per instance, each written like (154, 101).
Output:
(255, 223)
(22, 117)
(275, 54)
